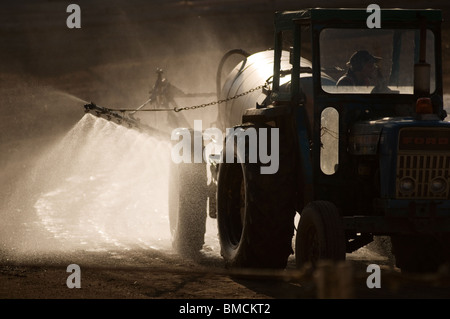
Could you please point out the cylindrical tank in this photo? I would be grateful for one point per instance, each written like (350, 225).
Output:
(250, 73)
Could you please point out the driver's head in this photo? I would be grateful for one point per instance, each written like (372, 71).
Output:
(362, 60)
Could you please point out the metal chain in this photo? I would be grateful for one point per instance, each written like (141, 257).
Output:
(179, 109)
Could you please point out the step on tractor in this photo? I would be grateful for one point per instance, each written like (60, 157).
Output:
(341, 127)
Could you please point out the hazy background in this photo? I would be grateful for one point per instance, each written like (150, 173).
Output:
(74, 179)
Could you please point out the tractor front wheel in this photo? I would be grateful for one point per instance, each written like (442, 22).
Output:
(418, 253)
(320, 235)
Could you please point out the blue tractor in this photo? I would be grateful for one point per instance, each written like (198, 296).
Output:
(360, 146)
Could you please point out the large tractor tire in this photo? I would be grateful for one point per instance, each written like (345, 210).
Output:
(320, 235)
(187, 207)
(256, 211)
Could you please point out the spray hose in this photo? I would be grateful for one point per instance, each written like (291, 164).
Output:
(222, 62)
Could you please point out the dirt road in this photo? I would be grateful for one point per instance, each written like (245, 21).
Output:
(76, 190)
(140, 273)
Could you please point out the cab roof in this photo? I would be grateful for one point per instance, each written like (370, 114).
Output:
(283, 19)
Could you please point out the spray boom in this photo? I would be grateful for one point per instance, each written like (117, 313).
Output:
(111, 114)
(162, 95)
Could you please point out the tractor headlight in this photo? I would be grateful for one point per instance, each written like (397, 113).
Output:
(406, 185)
(438, 185)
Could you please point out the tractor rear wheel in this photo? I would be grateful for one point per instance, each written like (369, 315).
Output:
(255, 212)
(187, 208)
(320, 235)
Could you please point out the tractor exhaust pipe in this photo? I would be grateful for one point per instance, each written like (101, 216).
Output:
(422, 68)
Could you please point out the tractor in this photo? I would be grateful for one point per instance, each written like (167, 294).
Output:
(304, 132)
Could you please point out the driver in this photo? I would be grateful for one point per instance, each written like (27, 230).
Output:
(362, 70)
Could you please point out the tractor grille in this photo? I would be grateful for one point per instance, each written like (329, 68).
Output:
(423, 162)
(423, 169)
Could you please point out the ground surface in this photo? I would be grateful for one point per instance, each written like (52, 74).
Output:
(75, 189)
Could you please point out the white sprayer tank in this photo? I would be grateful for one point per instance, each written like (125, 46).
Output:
(247, 75)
